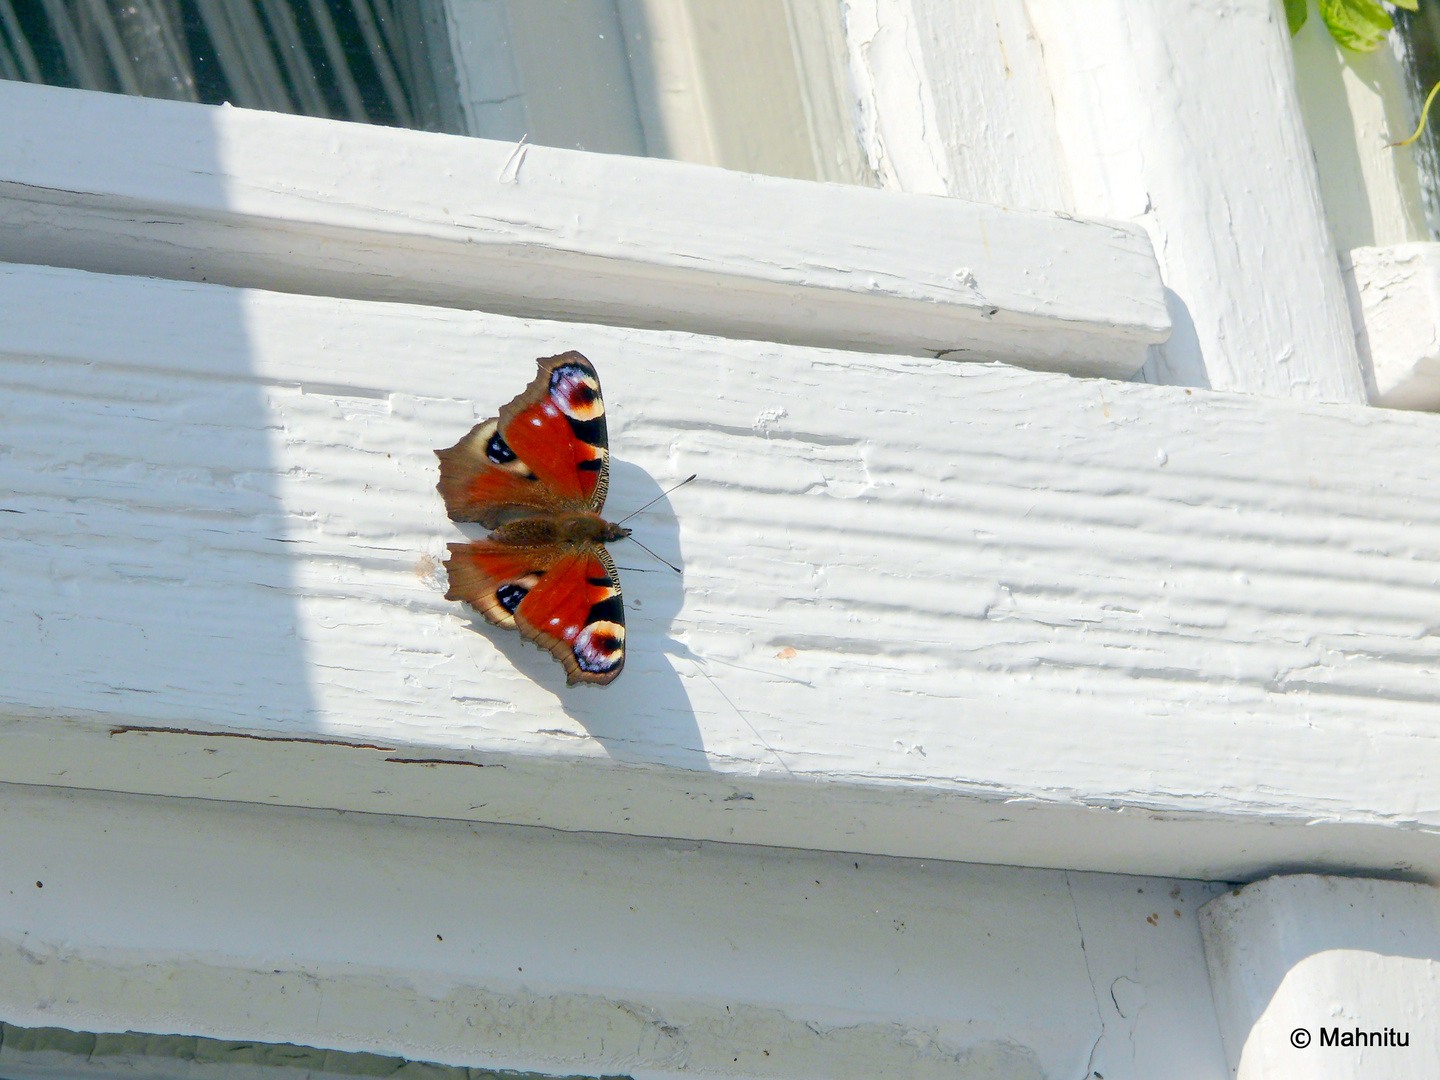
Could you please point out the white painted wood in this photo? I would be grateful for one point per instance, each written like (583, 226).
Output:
(1033, 619)
(955, 100)
(752, 85)
(1183, 117)
(525, 949)
(897, 121)
(1394, 297)
(1328, 956)
(165, 188)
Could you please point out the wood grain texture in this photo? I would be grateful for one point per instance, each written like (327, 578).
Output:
(913, 591)
(124, 185)
(1183, 117)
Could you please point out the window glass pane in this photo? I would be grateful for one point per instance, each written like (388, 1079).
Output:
(378, 61)
(1420, 34)
(1355, 104)
(756, 85)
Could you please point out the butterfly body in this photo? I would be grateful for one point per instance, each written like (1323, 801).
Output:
(565, 529)
(536, 477)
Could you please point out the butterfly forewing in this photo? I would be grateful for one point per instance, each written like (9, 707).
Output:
(482, 480)
(557, 427)
(548, 450)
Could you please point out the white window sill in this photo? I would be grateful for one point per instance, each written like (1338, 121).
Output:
(126, 185)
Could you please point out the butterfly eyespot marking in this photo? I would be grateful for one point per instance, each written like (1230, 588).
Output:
(600, 647)
(509, 596)
(593, 464)
(498, 451)
(577, 392)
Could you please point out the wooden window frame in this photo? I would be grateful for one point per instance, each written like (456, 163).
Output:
(1143, 490)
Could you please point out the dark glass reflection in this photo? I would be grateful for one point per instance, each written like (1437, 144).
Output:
(374, 61)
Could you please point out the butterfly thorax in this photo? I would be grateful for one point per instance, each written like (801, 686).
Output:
(564, 528)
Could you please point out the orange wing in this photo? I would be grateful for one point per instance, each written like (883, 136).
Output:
(566, 600)
(548, 450)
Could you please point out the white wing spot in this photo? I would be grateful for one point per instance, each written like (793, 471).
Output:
(550, 409)
(571, 631)
(554, 622)
(535, 421)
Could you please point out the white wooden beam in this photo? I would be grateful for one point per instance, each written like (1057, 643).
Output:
(171, 189)
(955, 611)
(1183, 117)
(509, 948)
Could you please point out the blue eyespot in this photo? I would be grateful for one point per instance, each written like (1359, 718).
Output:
(497, 451)
(510, 596)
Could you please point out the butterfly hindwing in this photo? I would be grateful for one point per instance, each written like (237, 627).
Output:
(548, 450)
(576, 612)
(494, 578)
(565, 600)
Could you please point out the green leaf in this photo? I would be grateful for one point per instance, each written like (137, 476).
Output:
(1296, 12)
(1356, 24)
(1408, 5)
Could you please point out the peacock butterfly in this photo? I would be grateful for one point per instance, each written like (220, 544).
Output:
(536, 476)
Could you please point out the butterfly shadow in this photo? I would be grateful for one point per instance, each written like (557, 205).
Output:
(645, 715)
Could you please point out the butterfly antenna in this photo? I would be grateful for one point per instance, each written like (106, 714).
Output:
(656, 499)
(657, 558)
